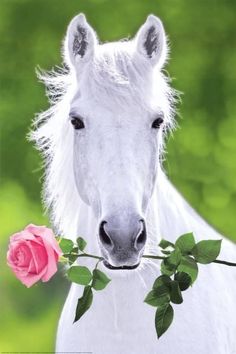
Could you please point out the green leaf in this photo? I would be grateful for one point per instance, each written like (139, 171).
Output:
(66, 245)
(206, 251)
(185, 243)
(158, 296)
(174, 258)
(183, 279)
(163, 319)
(167, 269)
(164, 244)
(71, 257)
(150, 299)
(175, 293)
(165, 252)
(80, 275)
(100, 280)
(84, 303)
(161, 280)
(188, 265)
(81, 243)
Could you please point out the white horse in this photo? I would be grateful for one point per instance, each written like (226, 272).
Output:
(103, 139)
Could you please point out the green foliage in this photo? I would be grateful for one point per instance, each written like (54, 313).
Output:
(206, 251)
(164, 244)
(100, 280)
(70, 250)
(158, 296)
(183, 279)
(84, 303)
(166, 252)
(81, 243)
(185, 243)
(166, 268)
(80, 275)
(66, 245)
(181, 264)
(152, 298)
(163, 319)
(189, 266)
(175, 292)
(174, 258)
(71, 257)
(161, 280)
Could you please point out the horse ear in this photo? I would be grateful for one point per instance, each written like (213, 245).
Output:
(151, 41)
(80, 41)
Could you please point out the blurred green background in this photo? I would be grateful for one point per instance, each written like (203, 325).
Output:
(201, 155)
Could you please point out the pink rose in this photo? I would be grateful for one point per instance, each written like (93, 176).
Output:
(33, 254)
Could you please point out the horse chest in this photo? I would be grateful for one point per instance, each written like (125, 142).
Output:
(119, 322)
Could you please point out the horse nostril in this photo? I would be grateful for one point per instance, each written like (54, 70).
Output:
(104, 237)
(142, 236)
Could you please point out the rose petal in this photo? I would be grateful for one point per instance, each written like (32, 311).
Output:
(52, 262)
(13, 253)
(28, 279)
(22, 255)
(40, 257)
(23, 235)
(51, 247)
(45, 234)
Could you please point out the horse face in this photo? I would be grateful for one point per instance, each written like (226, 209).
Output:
(117, 131)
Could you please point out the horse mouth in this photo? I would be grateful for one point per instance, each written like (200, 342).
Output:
(124, 267)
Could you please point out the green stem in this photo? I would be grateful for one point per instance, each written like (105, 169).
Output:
(90, 255)
(83, 255)
(216, 261)
(153, 257)
(225, 263)
(98, 263)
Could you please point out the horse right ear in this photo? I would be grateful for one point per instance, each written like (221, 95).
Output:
(151, 41)
(80, 41)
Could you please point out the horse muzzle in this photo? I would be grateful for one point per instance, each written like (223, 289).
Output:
(122, 244)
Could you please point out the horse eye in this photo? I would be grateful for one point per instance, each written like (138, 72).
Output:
(157, 122)
(77, 123)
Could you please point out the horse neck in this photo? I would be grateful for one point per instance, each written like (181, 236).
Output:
(176, 216)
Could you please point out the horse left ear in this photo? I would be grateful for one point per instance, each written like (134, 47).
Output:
(80, 41)
(151, 41)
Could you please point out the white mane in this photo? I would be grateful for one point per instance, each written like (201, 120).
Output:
(113, 77)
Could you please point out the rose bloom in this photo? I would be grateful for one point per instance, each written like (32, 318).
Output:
(33, 254)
